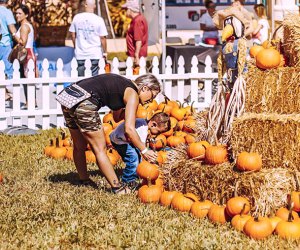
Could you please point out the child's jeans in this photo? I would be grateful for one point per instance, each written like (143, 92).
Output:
(131, 157)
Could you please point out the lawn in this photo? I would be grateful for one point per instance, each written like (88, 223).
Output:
(42, 207)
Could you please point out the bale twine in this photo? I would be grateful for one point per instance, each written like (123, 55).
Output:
(276, 137)
(266, 190)
(291, 33)
(273, 91)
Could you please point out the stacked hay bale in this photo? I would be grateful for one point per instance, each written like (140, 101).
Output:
(271, 122)
(269, 126)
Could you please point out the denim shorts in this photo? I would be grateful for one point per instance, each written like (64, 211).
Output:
(84, 116)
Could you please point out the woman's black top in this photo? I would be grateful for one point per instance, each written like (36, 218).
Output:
(109, 89)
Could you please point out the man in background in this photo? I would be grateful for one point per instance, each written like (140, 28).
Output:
(8, 30)
(210, 31)
(89, 37)
(137, 34)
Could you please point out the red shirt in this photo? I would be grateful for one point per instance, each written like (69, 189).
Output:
(138, 31)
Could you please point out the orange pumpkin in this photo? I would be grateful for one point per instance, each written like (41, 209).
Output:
(166, 198)
(218, 214)
(141, 112)
(254, 50)
(258, 228)
(168, 133)
(107, 128)
(112, 157)
(289, 229)
(173, 121)
(196, 150)
(274, 221)
(149, 193)
(178, 113)
(147, 170)
(295, 198)
(69, 153)
(48, 149)
(162, 157)
(108, 118)
(58, 152)
(159, 142)
(268, 59)
(216, 154)
(90, 156)
(153, 105)
(249, 161)
(189, 126)
(237, 205)
(174, 141)
(182, 202)
(200, 208)
(283, 213)
(189, 138)
(238, 221)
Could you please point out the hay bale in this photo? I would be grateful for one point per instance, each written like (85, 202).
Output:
(276, 137)
(267, 190)
(273, 91)
(291, 33)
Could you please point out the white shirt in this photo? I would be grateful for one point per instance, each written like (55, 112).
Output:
(263, 32)
(88, 28)
(208, 21)
(118, 135)
(30, 38)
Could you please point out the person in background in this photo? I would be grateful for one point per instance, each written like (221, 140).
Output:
(210, 31)
(131, 155)
(261, 32)
(25, 37)
(137, 34)
(7, 29)
(89, 38)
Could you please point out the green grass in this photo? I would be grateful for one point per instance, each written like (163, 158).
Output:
(42, 209)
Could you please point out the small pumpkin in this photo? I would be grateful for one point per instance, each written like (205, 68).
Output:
(182, 202)
(258, 228)
(147, 170)
(238, 221)
(48, 149)
(153, 105)
(69, 154)
(196, 150)
(249, 161)
(218, 214)
(200, 208)
(295, 195)
(189, 138)
(149, 193)
(283, 213)
(90, 156)
(162, 157)
(166, 198)
(189, 126)
(274, 221)
(268, 59)
(112, 157)
(159, 142)
(254, 50)
(289, 229)
(216, 154)
(174, 141)
(58, 152)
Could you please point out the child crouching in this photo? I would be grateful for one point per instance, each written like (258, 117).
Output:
(159, 123)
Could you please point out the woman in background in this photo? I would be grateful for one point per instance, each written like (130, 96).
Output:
(25, 37)
(261, 32)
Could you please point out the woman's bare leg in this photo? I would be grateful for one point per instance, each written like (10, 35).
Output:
(97, 141)
(79, 153)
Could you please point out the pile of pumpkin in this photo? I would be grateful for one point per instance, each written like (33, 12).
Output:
(61, 148)
(285, 222)
(267, 55)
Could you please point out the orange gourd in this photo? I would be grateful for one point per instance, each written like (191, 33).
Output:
(166, 198)
(196, 150)
(217, 214)
(200, 208)
(216, 154)
(159, 142)
(258, 228)
(249, 161)
(149, 193)
(189, 138)
(174, 141)
(90, 156)
(283, 213)
(268, 59)
(162, 157)
(254, 50)
(48, 149)
(58, 152)
(146, 170)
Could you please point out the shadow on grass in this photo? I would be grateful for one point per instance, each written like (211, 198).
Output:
(74, 180)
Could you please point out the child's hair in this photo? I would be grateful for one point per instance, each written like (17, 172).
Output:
(260, 10)
(148, 80)
(162, 119)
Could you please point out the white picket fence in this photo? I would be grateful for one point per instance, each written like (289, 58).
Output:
(42, 90)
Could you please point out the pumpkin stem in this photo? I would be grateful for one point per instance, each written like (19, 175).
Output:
(51, 142)
(63, 135)
(297, 181)
(192, 109)
(256, 218)
(57, 142)
(291, 217)
(149, 183)
(180, 104)
(166, 99)
(243, 210)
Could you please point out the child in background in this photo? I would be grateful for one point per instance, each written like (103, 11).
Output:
(261, 32)
(159, 123)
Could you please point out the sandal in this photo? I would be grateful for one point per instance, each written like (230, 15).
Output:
(122, 189)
